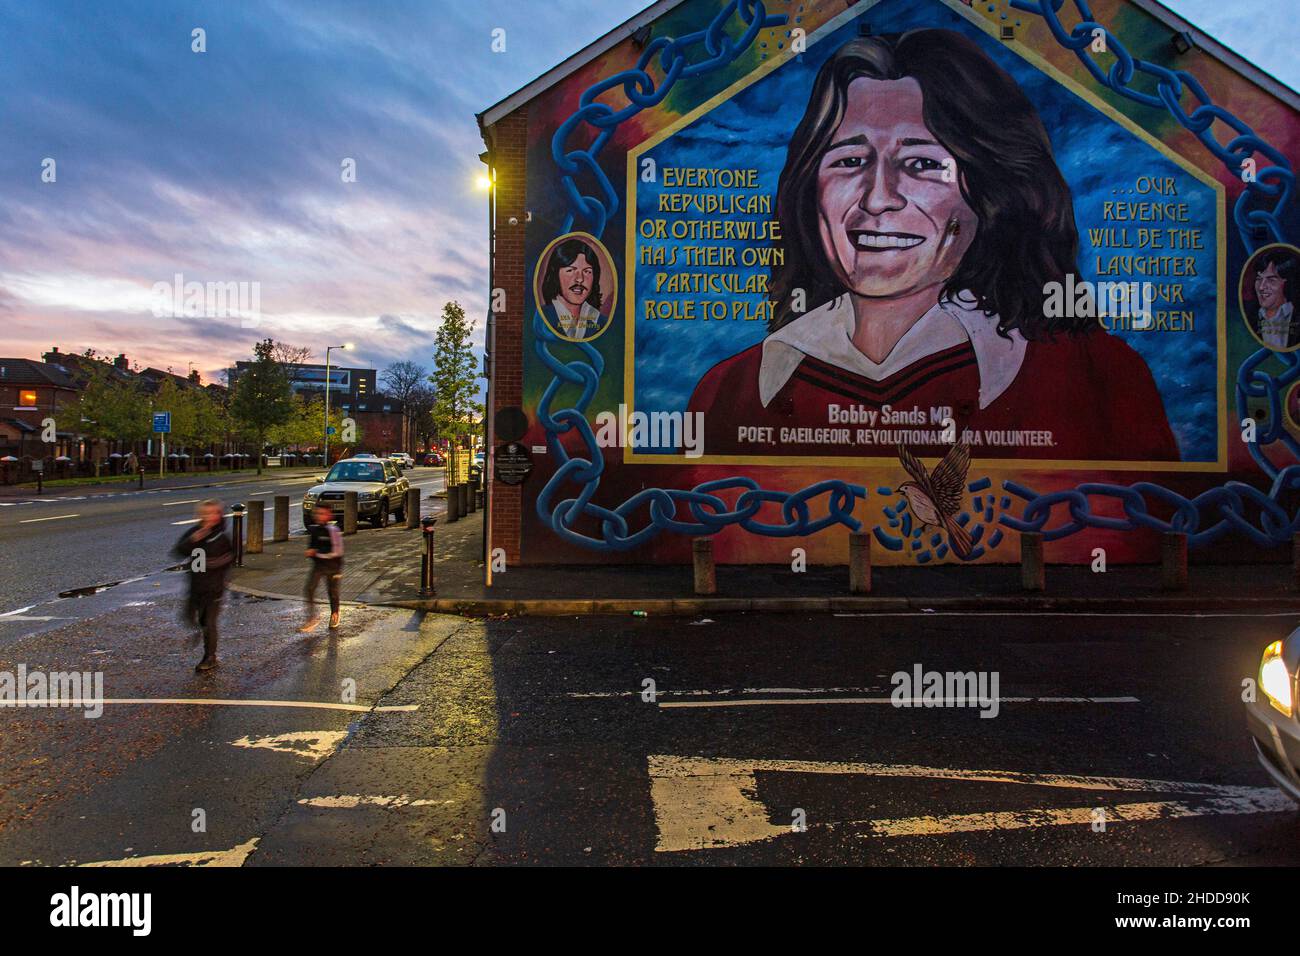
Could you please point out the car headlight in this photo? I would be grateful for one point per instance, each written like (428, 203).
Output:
(1275, 679)
(308, 498)
(367, 495)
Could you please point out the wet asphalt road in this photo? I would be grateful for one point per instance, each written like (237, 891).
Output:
(529, 741)
(79, 540)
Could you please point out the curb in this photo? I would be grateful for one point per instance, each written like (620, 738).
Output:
(862, 605)
(663, 607)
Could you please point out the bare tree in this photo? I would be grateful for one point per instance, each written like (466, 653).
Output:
(401, 380)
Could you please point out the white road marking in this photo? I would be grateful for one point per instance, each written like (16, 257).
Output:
(187, 501)
(353, 801)
(235, 856)
(722, 692)
(309, 744)
(50, 518)
(27, 617)
(196, 520)
(902, 702)
(1265, 800)
(706, 802)
(1290, 614)
(217, 702)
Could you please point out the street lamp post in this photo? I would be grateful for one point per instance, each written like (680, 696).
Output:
(329, 349)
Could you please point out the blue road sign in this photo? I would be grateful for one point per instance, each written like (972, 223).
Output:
(162, 422)
(329, 430)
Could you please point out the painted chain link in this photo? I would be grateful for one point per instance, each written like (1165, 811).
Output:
(711, 513)
(1274, 183)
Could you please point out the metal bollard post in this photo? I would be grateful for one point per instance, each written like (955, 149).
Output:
(462, 501)
(1173, 561)
(413, 507)
(426, 558)
(453, 504)
(349, 512)
(1032, 576)
(280, 532)
(859, 562)
(469, 497)
(238, 534)
(256, 523)
(706, 579)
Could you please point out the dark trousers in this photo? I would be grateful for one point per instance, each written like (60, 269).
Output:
(332, 576)
(202, 611)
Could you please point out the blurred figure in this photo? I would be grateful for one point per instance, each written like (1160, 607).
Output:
(325, 549)
(211, 553)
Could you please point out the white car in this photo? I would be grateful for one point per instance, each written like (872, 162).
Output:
(403, 459)
(1272, 716)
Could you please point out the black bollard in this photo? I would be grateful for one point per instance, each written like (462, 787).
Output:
(426, 558)
(238, 534)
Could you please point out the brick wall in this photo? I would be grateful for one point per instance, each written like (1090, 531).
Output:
(510, 159)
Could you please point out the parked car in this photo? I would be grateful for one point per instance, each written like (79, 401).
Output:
(365, 454)
(1271, 716)
(403, 459)
(380, 487)
(434, 459)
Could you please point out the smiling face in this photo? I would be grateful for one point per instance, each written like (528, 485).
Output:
(575, 282)
(1270, 288)
(891, 215)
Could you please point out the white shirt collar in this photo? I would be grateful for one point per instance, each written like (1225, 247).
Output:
(826, 333)
(588, 317)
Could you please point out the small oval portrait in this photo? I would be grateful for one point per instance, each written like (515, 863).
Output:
(1291, 407)
(1269, 294)
(575, 287)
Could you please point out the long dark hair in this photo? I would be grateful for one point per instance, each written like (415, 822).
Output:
(1284, 264)
(1007, 175)
(566, 254)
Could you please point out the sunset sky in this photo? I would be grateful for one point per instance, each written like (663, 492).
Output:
(225, 166)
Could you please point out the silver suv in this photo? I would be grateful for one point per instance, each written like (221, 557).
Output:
(378, 482)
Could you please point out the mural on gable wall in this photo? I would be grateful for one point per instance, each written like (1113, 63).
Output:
(888, 269)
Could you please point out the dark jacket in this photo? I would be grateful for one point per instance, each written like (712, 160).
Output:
(219, 555)
(327, 541)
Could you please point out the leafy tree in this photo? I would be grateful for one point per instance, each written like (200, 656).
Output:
(263, 398)
(110, 408)
(455, 378)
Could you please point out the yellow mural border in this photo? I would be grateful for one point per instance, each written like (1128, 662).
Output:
(1220, 464)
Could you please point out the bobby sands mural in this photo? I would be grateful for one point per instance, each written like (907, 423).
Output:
(924, 220)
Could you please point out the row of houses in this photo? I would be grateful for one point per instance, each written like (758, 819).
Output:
(34, 391)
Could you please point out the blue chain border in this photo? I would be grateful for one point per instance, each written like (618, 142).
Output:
(712, 514)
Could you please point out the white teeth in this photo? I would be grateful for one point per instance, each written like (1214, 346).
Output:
(887, 242)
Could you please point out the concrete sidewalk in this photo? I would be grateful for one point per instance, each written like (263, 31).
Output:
(194, 479)
(382, 566)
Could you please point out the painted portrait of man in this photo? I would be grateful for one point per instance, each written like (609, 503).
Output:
(923, 216)
(571, 297)
(1270, 299)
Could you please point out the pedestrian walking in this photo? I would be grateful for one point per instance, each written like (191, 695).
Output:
(325, 549)
(211, 553)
